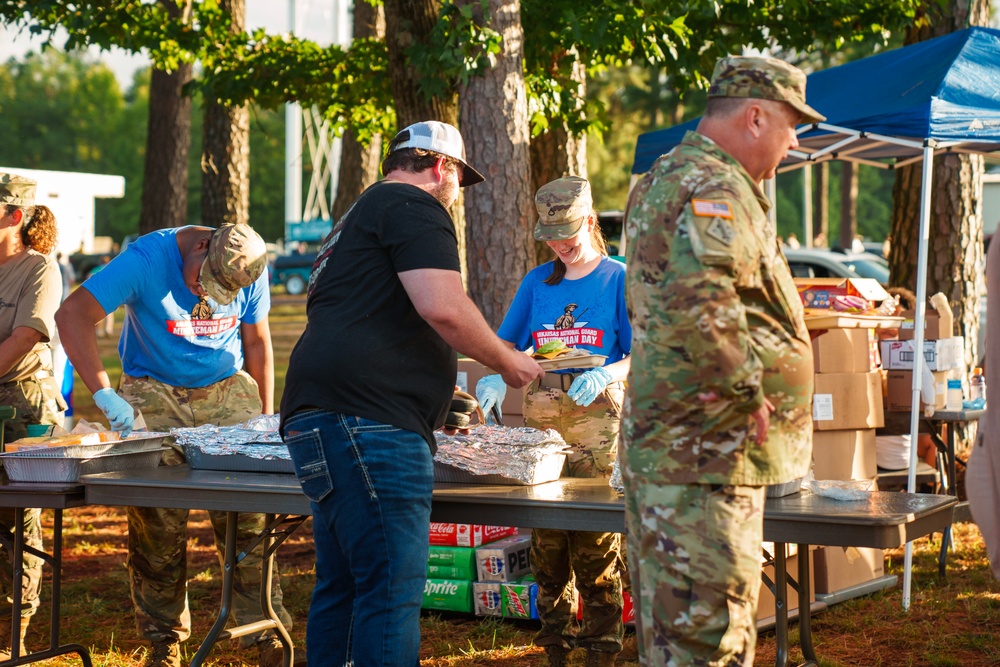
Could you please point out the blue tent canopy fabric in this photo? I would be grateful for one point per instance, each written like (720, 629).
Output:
(945, 89)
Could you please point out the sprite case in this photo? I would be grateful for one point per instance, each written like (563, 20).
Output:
(451, 563)
(448, 594)
(520, 598)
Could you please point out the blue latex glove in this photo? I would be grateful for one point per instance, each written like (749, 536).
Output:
(587, 387)
(490, 392)
(119, 413)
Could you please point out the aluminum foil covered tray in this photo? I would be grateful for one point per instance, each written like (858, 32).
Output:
(35, 465)
(500, 455)
(253, 446)
(138, 441)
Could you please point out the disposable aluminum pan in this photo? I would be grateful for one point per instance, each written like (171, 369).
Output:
(236, 462)
(139, 442)
(36, 466)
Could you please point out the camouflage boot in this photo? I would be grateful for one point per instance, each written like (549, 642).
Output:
(557, 656)
(600, 659)
(6, 638)
(271, 654)
(166, 653)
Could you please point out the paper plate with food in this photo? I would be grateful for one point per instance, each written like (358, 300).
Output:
(557, 355)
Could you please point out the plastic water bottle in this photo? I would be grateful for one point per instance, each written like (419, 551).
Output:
(977, 385)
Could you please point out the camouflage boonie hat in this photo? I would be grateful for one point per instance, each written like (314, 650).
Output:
(17, 190)
(562, 206)
(236, 257)
(764, 79)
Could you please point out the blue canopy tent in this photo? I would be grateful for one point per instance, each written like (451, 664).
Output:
(888, 110)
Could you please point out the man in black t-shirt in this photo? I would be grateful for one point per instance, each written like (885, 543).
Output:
(369, 381)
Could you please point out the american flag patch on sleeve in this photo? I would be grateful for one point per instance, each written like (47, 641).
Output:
(712, 209)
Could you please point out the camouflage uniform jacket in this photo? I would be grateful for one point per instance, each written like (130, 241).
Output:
(713, 309)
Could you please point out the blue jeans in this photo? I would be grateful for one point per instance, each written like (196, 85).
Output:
(370, 485)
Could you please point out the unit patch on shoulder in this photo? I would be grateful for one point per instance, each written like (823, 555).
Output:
(712, 209)
(721, 231)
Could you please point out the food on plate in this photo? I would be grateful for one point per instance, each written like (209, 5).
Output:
(846, 303)
(558, 348)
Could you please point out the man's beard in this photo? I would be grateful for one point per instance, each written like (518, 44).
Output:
(446, 192)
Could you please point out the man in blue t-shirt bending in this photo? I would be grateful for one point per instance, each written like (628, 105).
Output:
(195, 349)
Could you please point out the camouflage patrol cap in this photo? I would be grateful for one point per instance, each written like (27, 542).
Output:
(236, 258)
(17, 190)
(562, 206)
(764, 79)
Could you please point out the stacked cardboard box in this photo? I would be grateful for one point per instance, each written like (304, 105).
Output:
(469, 373)
(507, 561)
(452, 565)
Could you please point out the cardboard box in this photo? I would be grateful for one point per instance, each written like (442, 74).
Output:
(842, 351)
(819, 292)
(448, 594)
(506, 560)
(765, 601)
(451, 563)
(487, 599)
(899, 390)
(941, 354)
(844, 455)
(837, 568)
(469, 373)
(935, 326)
(466, 534)
(847, 401)
(520, 598)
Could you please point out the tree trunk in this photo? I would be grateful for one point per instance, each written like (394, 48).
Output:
(955, 256)
(225, 158)
(408, 22)
(556, 153)
(821, 205)
(501, 211)
(848, 204)
(168, 141)
(359, 165)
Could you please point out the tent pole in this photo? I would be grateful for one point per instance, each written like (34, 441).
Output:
(807, 205)
(918, 345)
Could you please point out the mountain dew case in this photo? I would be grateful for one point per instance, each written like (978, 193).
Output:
(486, 598)
(451, 563)
(448, 594)
(519, 598)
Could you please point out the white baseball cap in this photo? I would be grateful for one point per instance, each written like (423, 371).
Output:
(432, 135)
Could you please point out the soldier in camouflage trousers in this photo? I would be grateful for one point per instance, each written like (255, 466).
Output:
(579, 299)
(195, 350)
(719, 398)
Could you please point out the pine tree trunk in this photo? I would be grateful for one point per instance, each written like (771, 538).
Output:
(225, 158)
(359, 165)
(501, 211)
(955, 256)
(848, 204)
(168, 141)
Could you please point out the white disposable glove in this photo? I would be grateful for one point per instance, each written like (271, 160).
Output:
(490, 392)
(119, 413)
(587, 387)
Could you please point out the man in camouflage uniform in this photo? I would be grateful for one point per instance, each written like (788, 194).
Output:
(30, 290)
(718, 400)
(196, 349)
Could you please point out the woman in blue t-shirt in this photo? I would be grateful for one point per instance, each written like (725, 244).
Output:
(578, 298)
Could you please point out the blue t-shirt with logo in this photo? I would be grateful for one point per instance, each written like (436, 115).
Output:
(588, 313)
(159, 337)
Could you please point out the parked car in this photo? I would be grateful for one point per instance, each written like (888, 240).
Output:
(821, 263)
(293, 271)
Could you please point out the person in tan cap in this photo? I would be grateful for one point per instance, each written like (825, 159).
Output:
(578, 298)
(30, 291)
(718, 404)
(195, 350)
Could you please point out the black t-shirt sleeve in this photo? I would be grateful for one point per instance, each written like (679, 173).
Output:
(422, 237)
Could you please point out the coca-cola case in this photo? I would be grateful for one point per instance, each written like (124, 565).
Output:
(467, 534)
(508, 559)
(486, 598)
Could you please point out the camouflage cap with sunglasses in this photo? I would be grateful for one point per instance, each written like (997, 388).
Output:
(236, 257)
(562, 206)
(17, 190)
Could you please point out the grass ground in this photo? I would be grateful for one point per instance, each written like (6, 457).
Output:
(950, 623)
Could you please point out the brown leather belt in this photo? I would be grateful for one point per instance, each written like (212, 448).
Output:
(558, 380)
